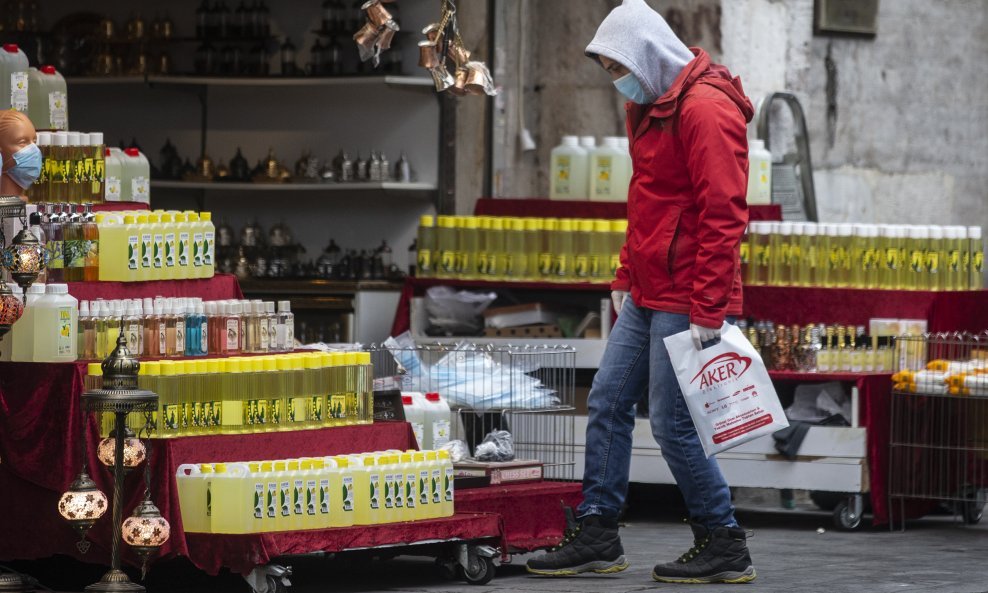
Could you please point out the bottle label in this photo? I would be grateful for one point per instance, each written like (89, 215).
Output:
(560, 264)
(99, 173)
(581, 266)
(347, 493)
(88, 170)
(289, 336)
(323, 497)
(112, 189)
(440, 433)
(785, 253)
(57, 109)
(977, 262)
(197, 250)
(410, 481)
(134, 338)
(762, 255)
(398, 490)
(424, 260)
(448, 483)
(232, 334)
(161, 340)
(272, 502)
(259, 501)
(170, 250)
(297, 494)
(66, 333)
(139, 189)
(146, 250)
(563, 173)
(745, 252)
(596, 267)
(286, 499)
(424, 487)
(311, 497)
(180, 336)
(18, 91)
(933, 262)
(204, 338)
(437, 496)
(916, 261)
(265, 341)
(158, 255)
(892, 258)
(207, 249)
(183, 249)
(55, 256)
(337, 406)
(954, 260)
(92, 253)
(75, 253)
(602, 184)
(389, 499)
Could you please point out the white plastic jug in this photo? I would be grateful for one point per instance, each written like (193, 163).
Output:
(48, 104)
(607, 164)
(415, 415)
(759, 173)
(192, 486)
(21, 336)
(56, 318)
(438, 421)
(231, 509)
(568, 174)
(14, 79)
(113, 188)
(137, 176)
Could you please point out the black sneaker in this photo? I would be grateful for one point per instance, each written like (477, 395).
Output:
(592, 545)
(718, 556)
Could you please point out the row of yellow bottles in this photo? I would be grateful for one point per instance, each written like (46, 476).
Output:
(316, 492)
(903, 257)
(159, 245)
(519, 249)
(241, 395)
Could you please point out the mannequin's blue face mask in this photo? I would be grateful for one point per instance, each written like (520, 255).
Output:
(629, 86)
(27, 166)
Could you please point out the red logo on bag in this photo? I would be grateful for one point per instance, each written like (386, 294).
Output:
(729, 365)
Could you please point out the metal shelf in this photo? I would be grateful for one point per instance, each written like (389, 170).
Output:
(268, 81)
(588, 350)
(103, 80)
(296, 187)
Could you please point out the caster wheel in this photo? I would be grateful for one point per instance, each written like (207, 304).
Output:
(479, 573)
(972, 510)
(844, 517)
(276, 586)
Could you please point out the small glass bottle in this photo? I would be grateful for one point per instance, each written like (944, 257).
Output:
(87, 332)
(167, 330)
(132, 330)
(272, 320)
(232, 344)
(286, 327)
(181, 310)
(263, 341)
(824, 356)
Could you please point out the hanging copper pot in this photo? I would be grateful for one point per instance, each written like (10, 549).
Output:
(459, 54)
(365, 39)
(387, 35)
(428, 55)
(377, 13)
(431, 32)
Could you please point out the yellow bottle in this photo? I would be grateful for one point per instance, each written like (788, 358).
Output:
(255, 490)
(888, 257)
(859, 245)
(145, 247)
(483, 244)
(562, 251)
(297, 472)
(192, 485)
(195, 227)
(298, 402)
(424, 474)
(904, 273)
(269, 477)
(952, 264)
(346, 505)
(976, 278)
(183, 247)
(208, 472)
(934, 258)
(446, 246)
(231, 495)
(365, 381)
(283, 480)
(446, 467)
(169, 254)
(148, 379)
(619, 234)
(516, 258)
(550, 226)
(171, 413)
(385, 469)
(468, 247)
(841, 256)
(157, 230)
(808, 254)
(313, 471)
(208, 245)
(919, 237)
(870, 260)
(796, 253)
(365, 502)
(581, 249)
(426, 242)
(497, 255)
(435, 484)
(232, 408)
(533, 246)
(759, 261)
(411, 493)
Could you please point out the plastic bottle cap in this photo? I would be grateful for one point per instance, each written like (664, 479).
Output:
(756, 144)
(571, 141)
(284, 306)
(974, 232)
(57, 289)
(797, 228)
(96, 370)
(845, 230)
(44, 138)
(432, 396)
(96, 138)
(427, 220)
(936, 232)
(497, 224)
(74, 139)
(588, 141)
(10, 48)
(406, 400)
(785, 228)
(132, 152)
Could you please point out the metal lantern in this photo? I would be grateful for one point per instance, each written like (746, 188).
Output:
(81, 505)
(134, 450)
(24, 258)
(146, 530)
(11, 309)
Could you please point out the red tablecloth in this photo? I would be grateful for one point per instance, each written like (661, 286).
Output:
(119, 206)
(41, 423)
(218, 288)
(532, 513)
(583, 209)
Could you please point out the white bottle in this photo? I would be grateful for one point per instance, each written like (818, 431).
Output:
(47, 99)
(113, 187)
(56, 318)
(438, 420)
(21, 337)
(286, 327)
(414, 415)
(606, 171)
(759, 173)
(139, 176)
(568, 174)
(588, 143)
(13, 78)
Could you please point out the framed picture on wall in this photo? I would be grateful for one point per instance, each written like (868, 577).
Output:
(845, 17)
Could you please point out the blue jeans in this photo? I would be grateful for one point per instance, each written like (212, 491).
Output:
(636, 358)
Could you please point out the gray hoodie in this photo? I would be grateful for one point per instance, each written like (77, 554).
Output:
(639, 39)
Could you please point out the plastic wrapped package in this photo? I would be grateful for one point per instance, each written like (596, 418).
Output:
(453, 312)
(458, 450)
(497, 446)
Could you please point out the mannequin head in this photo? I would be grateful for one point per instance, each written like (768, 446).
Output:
(16, 132)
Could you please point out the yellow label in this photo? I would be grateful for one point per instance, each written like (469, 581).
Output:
(337, 406)
(581, 266)
(560, 265)
(615, 263)
(424, 260)
(447, 261)
(892, 258)
(273, 411)
(869, 258)
(933, 261)
(762, 254)
(172, 417)
(785, 253)
(745, 252)
(545, 264)
(315, 408)
(954, 260)
(978, 261)
(916, 261)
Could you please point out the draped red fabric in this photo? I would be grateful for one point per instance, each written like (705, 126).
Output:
(218, 288)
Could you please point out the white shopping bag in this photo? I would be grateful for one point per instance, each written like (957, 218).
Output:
(727, 389)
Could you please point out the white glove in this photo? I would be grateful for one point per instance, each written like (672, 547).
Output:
(617, 298)
(702, 334)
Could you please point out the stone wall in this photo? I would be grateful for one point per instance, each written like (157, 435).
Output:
(901, 136)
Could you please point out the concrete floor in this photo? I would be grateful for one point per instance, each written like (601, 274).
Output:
(935, 555)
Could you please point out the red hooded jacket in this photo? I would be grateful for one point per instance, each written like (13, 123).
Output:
(687, 210)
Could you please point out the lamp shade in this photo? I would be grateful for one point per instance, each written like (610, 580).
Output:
(146, 530)
(11, 309)
(24, 258)
(83, 503)
(134, 451)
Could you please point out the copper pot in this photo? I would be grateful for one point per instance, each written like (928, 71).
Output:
(367, 36)
(428, 55)
(387, 35)
(377, 13)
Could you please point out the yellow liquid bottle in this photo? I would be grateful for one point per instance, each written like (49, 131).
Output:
(446, 247)
(840, 254)
(365, 381)
(426, 241)
(410, 483)
(232, 384)
(757, 242)
(435, 484)
(550, 226)
(312, 472)
(516, 262)
(424, 487)
(446, 467)
(269, 479)
(347, 510)
(935, 258)
(562, 247)
(871, 259)
(859, 245)
(192, 484)
(581, 250)
(808, 254)
(951, 264)
(619, 234)
(298, 402)
(469, 247)
(775, 254)
(254, 491)
(385, 472)
(497, 249)
(887, 257)
(283, 501)
(795, 262)
(533, 247)
(483, 243)
(169, 244)
(298, 469)
(183, 247)
(904, 273)
(919, 237)
(230, 498)
(976, 279)
(600, 265)
(963, 280)
(365, 512)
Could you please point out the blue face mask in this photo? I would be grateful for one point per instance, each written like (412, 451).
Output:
(27, 166)
(629, 86)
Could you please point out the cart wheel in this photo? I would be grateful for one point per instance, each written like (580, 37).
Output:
(845, 518)
(972, 510)
(275, 585)
(479, 573)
